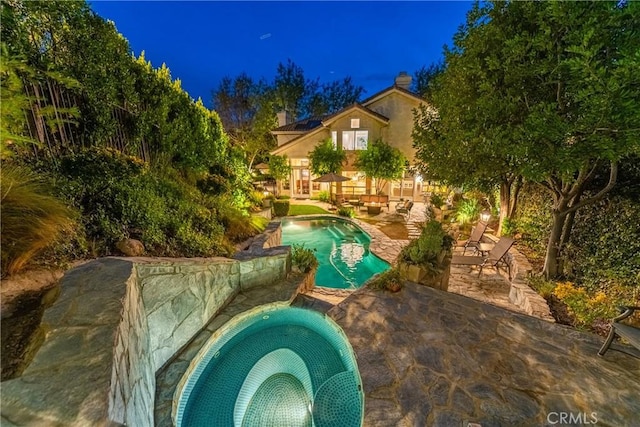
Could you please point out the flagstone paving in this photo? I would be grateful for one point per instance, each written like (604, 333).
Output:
(433, 358)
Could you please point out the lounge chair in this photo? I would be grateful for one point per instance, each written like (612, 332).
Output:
(495, 258)
(628, 332)
(405, 208)
(476, 237)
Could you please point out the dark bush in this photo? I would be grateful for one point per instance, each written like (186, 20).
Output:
(281, 207)
(604, 247)
(119, 197)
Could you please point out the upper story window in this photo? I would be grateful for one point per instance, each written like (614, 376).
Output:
(334, 138)
(355, 139)
(355, 123)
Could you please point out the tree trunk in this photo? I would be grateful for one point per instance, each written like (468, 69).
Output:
(505, 196)
(551, 265)
(509, 190)
(567, 200)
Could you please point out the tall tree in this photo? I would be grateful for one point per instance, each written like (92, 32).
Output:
(292, 91)
(549, 91)
(246, 110)
(382, 162)
(424, 79)
(333, 97)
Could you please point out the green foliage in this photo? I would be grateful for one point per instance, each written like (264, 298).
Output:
(247, 113)
(283, 197)
(119, 197)
(468, 210)
(326, 159)
(382, 162)
(533, 221)
(31, 217)
(428, 249)
(590, 307)
(279, 167)
(543, 90)
(436, 200)
(387, 280)
(323, 196)
(123, 98)
(303, 258)
(346, 211)
(281, 207)
(604, 248)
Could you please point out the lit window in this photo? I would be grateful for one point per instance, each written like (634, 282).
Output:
(362, 137)
(348, 140)
(355, 140)
(334, 138)
(355, 123)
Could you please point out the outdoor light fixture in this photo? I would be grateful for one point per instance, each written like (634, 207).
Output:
(485, 216)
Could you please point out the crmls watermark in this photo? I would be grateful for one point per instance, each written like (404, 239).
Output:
(571, 418)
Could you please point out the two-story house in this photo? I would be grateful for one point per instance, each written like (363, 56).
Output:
(388, 115)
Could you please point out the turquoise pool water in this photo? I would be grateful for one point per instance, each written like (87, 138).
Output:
(273, 366)
(342, 249)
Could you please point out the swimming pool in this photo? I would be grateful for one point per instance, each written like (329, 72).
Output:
(273, 365)
(342, 250)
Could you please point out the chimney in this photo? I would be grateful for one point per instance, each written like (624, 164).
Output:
(284, 118)
(403, 80)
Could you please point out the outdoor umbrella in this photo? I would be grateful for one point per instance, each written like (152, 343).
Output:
(331, 177)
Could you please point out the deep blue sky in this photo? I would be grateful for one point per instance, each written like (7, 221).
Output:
(203, 41)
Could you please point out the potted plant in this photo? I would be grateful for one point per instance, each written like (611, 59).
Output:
(389, 280)
(427, 259)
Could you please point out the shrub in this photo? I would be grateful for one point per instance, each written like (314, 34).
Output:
(428, 249)
(389, 280)
(604, 248)
(436, 200)
(281, 207)
(587, 308)
(303, 259)
(282, 197)
(346, 212)
(323, 196)
(468, 210)
(119, 198)
(32, 219)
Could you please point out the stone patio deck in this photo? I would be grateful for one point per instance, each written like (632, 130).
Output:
(432, 358)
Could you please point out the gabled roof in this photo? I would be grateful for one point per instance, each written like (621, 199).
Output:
(288, 144)
(394, 88)
(301, 125)
(327, 121)
(335, 116)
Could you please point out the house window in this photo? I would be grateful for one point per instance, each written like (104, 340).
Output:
(355, 123)
(362, 136)
(334, 138)
(355, 140)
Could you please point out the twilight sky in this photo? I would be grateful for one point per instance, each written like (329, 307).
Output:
(203, 41)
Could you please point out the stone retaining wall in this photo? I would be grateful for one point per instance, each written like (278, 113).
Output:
(116, 323)
(520, 294)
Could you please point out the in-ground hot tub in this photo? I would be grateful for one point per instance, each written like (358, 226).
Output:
(273, 365)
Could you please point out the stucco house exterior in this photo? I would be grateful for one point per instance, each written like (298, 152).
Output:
(387, 114)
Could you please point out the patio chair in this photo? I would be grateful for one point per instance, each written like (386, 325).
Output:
(476, 237)
(627, 332)
(405, 208)
(495, 258)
